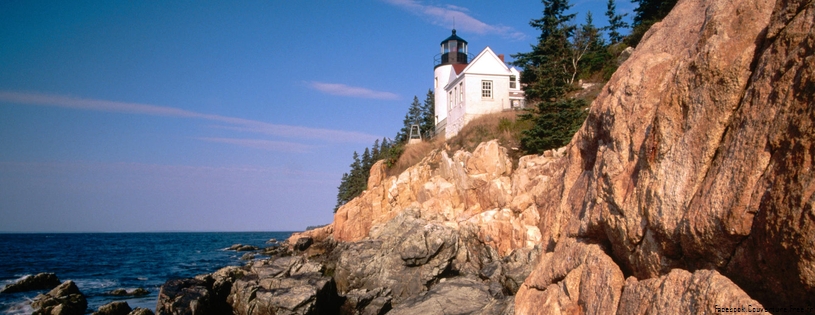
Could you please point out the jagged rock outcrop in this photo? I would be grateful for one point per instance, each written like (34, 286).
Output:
(575, 278)
(40, 281)
(284, 285)
(689, 188)
(405, 255)
(682, 292)
(65, 299)
(456, 296)
(467, 188)
(695, 158)
(696, 153)
(184, 297)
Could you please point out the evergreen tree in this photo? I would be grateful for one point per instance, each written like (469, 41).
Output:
(615, 23)
(548, 80)
(367, 161)
(404, 132)
(342, 192)
(384, 147)
(545, 68)
(428, 119)
(375, 151)
(413, 117)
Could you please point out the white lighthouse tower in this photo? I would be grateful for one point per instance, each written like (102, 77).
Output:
(453, 59)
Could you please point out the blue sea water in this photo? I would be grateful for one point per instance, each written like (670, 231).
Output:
(102, 262)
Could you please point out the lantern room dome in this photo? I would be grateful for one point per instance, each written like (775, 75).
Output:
(454, 37)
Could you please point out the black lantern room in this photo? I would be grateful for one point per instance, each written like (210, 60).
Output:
(453, 50)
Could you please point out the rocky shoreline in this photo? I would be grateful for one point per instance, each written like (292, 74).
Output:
(408, 266)
(688, 190)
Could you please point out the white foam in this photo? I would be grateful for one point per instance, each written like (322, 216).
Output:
(21, 308)
(94, 283)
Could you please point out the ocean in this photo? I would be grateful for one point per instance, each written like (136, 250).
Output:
(102, 262)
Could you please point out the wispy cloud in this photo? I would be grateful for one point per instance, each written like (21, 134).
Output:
(351, 91)
(450, 16)
(263, 144)
(153, 110)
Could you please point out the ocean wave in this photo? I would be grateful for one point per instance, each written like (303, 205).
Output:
(22, 307)
(90, 284)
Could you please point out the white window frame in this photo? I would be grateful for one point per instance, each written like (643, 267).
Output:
(461, 91)
(486, 89)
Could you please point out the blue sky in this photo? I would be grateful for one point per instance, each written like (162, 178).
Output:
(214, 116)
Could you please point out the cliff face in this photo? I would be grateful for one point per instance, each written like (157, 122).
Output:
(689, 184)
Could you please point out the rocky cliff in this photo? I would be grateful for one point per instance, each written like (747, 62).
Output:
(689, 189)
(691, 178)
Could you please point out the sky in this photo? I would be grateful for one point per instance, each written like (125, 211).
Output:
(142, 116)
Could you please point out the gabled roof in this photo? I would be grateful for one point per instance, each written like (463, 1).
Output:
(486, 59)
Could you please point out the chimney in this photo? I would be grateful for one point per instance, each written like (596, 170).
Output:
(501, 56)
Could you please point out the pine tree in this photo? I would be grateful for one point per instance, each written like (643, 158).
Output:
(545, 68)
(342, 192)
(548, 81)
(367, 162)
(615, 23)
(428, 120)
(375, 156)
(413, 117)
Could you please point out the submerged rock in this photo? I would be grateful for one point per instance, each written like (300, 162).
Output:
(242, 248)
(40, 281)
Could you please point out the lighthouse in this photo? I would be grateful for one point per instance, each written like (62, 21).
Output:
(452, 59)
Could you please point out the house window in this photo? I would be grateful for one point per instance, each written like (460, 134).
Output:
(486, 89)
(461, 91)
(457, 99)
(450, 101)
(512, 82)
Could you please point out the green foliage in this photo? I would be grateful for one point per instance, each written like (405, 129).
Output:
(615, 23)
(564, 53)
(428, 117)
(589, 53)
(545, 72)
(554, 124)
(422, 115)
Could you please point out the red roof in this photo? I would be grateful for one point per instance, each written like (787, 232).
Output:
(459, 67)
